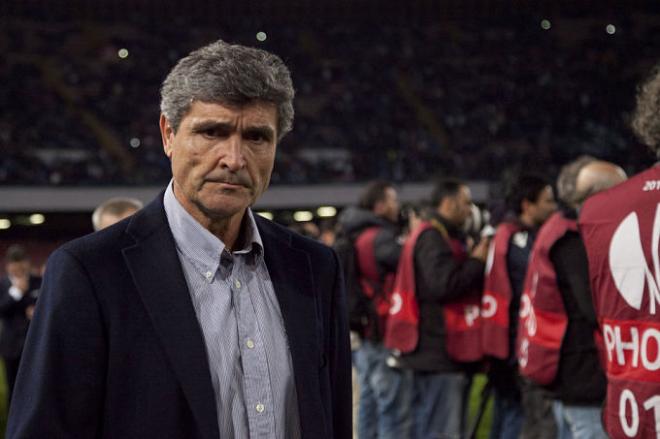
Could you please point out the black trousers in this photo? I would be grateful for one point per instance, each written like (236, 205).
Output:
(539, 421)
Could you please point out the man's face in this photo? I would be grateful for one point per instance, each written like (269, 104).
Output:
(544, 207)
(389, 206)
(222, 157)
(461, 206)
(18, 269)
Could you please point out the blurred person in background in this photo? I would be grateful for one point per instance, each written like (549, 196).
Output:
(371, 228)
(328, 230)
(306, 228)
(442, 279)
(114, 210)
(620, 228)
(557, 349)
(195, 318)
(531, 200)
(19, 291)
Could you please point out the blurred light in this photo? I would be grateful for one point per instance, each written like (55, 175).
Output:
(135, 142)
(122, 53)
(261, 36)
(326, 211)
(267, 215)
(303, 215)
(545, 24)
(4, 223)
(610, 29)
(37, 218)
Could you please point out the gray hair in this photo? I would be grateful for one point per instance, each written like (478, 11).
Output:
(230, 74)
(114, 206)
(646, 117)
(568, 177)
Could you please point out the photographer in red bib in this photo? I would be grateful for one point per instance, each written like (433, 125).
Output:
(371, 231)
(434, 314)
(621, 232)
(531, 201)
(556, 347)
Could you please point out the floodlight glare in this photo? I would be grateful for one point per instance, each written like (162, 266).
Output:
(36, 219)
(303, 215)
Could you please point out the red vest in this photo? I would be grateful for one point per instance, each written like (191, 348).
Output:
(374, 287)
(543, 319)
(621, 232)
(461, 318)
(497, 295)
(401, 329)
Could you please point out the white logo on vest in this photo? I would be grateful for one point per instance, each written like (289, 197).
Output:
(628, 265)
(490, 258)
(471, 313)
(633, 348)
(397, 303)
(529, 321)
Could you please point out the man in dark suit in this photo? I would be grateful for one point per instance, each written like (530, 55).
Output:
(18, 294)
(194, 318)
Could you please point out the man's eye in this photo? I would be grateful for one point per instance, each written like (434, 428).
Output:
(256, 137)
(211, 132)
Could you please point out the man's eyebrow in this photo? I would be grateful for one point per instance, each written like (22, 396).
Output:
(205, 124)
(264, 130)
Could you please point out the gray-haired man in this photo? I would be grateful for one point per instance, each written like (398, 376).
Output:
(195, 318)
(114, 210)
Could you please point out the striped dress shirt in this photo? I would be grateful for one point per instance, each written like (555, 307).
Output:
(240, 318)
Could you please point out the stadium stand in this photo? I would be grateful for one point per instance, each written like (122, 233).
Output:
(401, 102)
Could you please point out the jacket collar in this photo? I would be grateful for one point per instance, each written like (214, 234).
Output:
(156, 270)
(453, 230)
(291, 273)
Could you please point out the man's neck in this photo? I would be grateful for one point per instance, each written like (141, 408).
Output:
(445, 220)
(527, 221)
(227, 230)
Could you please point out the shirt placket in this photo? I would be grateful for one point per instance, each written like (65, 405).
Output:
(258, 392)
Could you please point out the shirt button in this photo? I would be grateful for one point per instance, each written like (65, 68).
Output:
(260, 408)
(250, 344)
(237, 283)
(209, 275)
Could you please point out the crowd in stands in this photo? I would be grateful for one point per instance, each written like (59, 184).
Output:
(398, 102)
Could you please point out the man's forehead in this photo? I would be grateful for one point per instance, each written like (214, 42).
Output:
(259, 111)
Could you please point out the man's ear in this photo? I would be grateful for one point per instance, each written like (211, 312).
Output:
(525, 205)
(444, 208)
(167, 135)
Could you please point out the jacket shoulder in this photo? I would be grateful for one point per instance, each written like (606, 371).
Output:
(429, 238)
(103, 242)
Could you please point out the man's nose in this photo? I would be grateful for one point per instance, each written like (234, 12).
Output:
(233, 158)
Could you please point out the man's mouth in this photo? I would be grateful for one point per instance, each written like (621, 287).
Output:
(227, 184)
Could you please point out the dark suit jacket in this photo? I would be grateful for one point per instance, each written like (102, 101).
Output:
(115, 349)
(14, 322)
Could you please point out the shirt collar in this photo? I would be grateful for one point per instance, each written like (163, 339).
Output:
(200, 246)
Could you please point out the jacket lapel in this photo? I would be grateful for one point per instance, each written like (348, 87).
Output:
(156, 270)
(290, 271)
